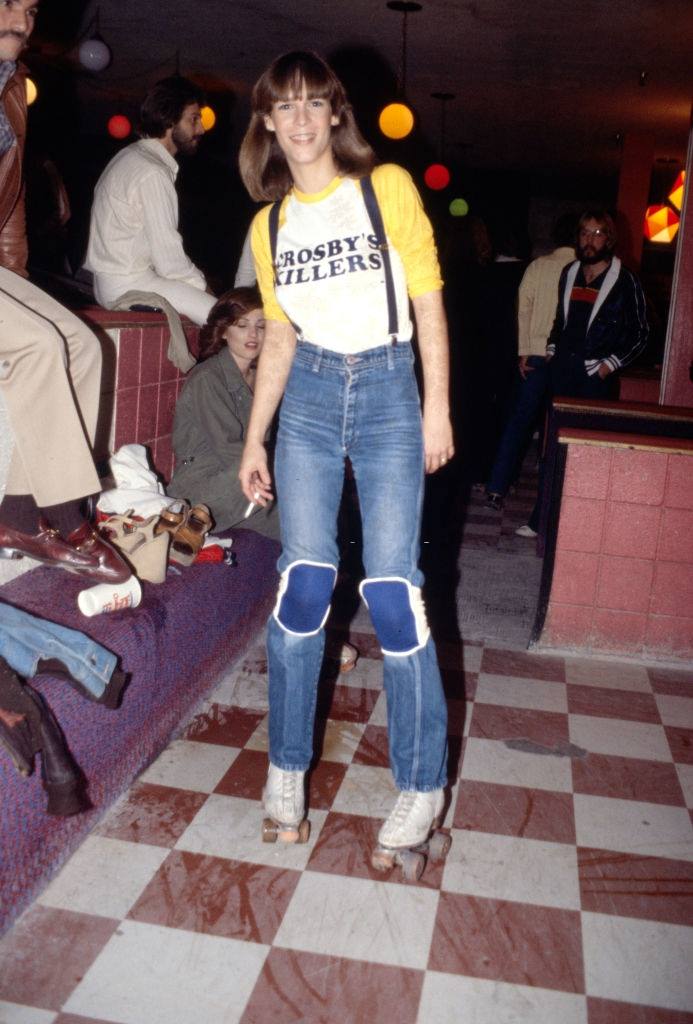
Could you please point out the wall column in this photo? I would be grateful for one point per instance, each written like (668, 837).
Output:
(633, 192)
(677, 371)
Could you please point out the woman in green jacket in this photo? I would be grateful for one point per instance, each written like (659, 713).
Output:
(212, 415)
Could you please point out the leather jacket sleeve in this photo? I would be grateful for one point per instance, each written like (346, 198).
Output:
(14, 251)
(13, 240)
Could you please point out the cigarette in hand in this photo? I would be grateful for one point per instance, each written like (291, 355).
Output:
(249, 510)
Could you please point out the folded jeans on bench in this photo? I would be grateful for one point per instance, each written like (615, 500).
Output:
(26, 639)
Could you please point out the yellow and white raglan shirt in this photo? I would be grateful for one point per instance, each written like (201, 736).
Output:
(330, 277)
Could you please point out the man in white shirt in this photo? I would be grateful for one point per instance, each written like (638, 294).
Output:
(134, 242)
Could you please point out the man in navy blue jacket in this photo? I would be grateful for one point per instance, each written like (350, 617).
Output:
(600, 324)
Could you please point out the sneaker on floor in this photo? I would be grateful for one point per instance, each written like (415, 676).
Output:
(494, 501)
(525, 531)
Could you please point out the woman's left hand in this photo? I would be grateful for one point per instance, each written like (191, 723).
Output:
(439, 447)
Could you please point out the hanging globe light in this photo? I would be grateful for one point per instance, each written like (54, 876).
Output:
(437, 177)
(661, 223)
(31, 91)
(208, 118)
(94, 54)
(459, 207)
(675, 197)
(119, 126)
(396, 120)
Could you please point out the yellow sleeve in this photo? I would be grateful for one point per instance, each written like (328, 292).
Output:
(262, 254)
(408, 228)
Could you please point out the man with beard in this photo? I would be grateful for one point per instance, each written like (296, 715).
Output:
(50, 367)
(134, 242)
(600, 324)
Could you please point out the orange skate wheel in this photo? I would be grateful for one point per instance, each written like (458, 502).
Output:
(269, 831)
(439, 846)
(412, 865)
(303, 831)
(382, 860)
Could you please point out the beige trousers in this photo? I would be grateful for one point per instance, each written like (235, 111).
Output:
(50, 379)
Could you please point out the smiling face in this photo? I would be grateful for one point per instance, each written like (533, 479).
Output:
(245, 338)
(303, 129)
(17, 19)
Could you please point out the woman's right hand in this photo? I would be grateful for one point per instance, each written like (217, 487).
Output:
(254, 475)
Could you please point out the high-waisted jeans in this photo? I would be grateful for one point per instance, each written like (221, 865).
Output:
(366, 407)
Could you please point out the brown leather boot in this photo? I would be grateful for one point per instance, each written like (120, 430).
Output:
(27, 727)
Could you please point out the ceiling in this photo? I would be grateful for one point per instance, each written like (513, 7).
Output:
(538, 87)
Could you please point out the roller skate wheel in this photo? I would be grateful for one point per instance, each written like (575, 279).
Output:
(303, 831)
(439, 846)
(382, 860)
(412, 865)
(269, 831)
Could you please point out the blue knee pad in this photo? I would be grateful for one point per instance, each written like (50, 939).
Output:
(398, 614)
(303, 602)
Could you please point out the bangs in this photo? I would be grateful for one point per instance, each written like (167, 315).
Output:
(286, 78)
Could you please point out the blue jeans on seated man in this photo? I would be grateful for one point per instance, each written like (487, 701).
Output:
(364, 406)
(26, 639)
(530, 402)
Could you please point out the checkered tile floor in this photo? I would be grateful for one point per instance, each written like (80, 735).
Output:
(566, 897)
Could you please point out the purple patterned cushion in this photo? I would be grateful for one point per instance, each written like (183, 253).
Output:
(184, 633)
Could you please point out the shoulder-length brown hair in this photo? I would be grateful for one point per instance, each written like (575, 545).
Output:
(263, 167)
(228, 310)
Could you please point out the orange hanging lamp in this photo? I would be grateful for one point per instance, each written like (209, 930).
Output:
(661, 223)
(675, 197)
(396, 120)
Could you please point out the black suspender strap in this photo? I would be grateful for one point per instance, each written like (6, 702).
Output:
(376, 220)
(273, 233)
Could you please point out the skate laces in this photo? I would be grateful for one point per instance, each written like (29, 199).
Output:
(403, 807)
(289, 780)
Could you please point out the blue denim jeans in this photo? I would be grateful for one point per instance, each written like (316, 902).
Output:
(26, 639)
(530, 400)
(366, 407)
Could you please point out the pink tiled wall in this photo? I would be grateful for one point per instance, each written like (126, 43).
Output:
(623, 575)
(146, 384)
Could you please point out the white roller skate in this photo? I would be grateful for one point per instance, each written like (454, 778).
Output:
(410, 835)
(283, 798)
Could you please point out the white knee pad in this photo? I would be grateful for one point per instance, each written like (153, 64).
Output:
(398, 614)
(303, 601)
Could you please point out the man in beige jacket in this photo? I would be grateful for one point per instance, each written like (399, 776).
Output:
(536, 311)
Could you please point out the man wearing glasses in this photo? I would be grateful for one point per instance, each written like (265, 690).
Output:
(600, 324)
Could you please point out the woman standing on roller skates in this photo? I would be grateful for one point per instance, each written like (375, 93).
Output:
(338, 255)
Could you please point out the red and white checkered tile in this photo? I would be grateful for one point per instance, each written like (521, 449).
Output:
(567, 894)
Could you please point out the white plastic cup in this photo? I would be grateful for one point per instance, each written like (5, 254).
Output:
(110, 597)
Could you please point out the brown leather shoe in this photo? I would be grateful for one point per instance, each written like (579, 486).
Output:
(107, 565)
(45, 546)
